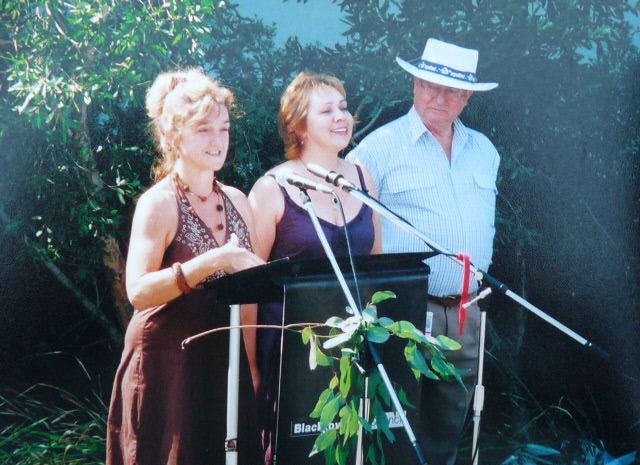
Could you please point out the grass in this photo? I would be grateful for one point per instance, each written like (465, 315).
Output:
(518, 428)
(554, 435)
(46, 425)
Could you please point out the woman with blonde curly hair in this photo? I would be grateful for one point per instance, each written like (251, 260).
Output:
(315, 126)
(188, 228)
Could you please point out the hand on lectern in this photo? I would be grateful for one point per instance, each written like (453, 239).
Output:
(235, 258)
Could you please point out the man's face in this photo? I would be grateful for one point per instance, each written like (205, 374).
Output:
(438, 106)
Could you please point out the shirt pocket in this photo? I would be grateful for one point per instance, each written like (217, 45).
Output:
(406, 181)
(485, 181)
(486, 191)
(411, 193)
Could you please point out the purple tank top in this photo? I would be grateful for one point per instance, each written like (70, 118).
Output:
(296, 237)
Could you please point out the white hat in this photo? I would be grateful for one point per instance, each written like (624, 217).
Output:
(447, 65)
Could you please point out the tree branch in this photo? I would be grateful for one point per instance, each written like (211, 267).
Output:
(114, 336)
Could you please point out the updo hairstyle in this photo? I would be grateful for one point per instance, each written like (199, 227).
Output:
(294, 108)
(180, 99)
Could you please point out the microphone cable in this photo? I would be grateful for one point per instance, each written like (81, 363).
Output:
(338, 202)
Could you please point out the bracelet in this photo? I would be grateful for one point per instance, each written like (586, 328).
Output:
(181, 281)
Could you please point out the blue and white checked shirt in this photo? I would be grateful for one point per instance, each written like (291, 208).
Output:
(452, 204)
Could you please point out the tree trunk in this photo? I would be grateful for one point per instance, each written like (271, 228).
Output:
(114, 261)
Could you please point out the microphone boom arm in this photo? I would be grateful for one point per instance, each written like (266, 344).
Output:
(480, 274)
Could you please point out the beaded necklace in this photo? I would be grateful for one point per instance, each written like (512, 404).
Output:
(203, 198)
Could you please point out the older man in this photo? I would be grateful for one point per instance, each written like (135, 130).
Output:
(440, 176)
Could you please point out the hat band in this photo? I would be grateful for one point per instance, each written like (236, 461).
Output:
(447, 72)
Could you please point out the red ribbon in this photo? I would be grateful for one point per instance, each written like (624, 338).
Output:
(464, 294)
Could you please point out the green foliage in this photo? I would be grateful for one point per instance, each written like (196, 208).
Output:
(76, 74)
(568, 453)
(563, 117)
(46, 425)
(76, 147)
(76, 152)
(338, 406)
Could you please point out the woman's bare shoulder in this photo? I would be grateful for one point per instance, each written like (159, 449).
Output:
(268, 182)
(158, 202)
(232, 192)
(237, 197)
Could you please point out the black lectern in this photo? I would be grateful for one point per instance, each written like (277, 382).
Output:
(310, 293)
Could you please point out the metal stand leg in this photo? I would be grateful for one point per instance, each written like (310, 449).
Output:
(363, 411)
(233, 385)
(478, 395)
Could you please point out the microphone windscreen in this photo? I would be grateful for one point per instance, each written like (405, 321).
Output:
(317, 170)
(282, 175)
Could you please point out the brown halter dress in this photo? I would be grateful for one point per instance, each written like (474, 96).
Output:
(168, 405)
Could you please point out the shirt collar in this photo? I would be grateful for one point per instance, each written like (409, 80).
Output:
(417, 128)
(460, 132)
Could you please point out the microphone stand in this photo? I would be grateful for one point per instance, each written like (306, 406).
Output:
(233, 387)
(478, 394)
(478, 400)
(479, 274)
(308, 205)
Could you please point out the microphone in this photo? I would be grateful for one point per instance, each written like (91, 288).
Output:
(286, 176)
(331, 177)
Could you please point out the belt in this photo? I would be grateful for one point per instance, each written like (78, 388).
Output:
(448, 301)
